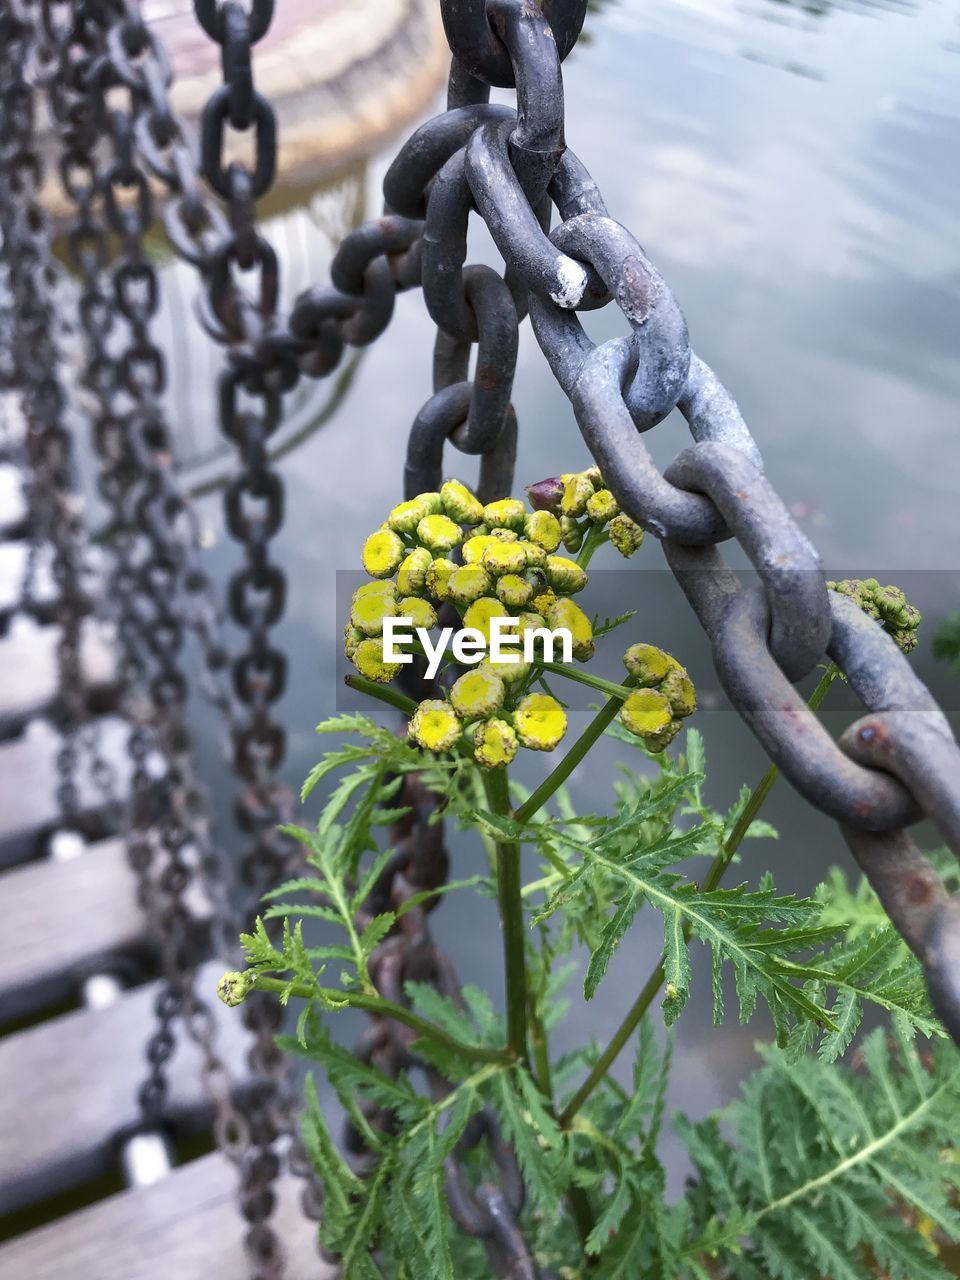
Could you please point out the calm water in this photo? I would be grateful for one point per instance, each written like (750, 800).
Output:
(791, 169)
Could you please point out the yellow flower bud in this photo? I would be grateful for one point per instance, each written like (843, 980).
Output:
(412, 573)
(434, 726)
(499, 534)
(565, 576)
(504, 557)
(540, 721)
(542, 601)
(460, 504)
(509, 672)
(602, 506)
(368, 612)
(474, 547)
(234, 987)
(572, 534)
(439, 533)
(432, 503)
(477, 695)
(530, 621)
(564, 613)
(677, 688)
(368, 659)
(577, 492)
(507, 513)
(593, 475)
(384, 588)
(513, 590)
(420, 612)
(626, 535)
(646, 713)
(481, 612)
(648, 664)
(438, 578)
(405, 517)
(543, 528)
(535, 554)
(494, 744)
(382, 552)
(468, 583)
(351, 638)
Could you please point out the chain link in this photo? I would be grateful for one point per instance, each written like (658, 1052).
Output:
(895, 765)
(55, 511)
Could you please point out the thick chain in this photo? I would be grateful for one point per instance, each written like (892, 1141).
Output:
(894, 766)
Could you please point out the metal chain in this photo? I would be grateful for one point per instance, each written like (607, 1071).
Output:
(894, 766)
(56, 516)
(162, 554)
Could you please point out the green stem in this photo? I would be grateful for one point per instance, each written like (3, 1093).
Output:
(386, 1009)
(596, 537)
(594, 730)
(713, 877)
(541, 1052)
(382, 692)
(612, 690)
(511, 916)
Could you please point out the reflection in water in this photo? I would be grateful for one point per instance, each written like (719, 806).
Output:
(807, 226)
(304, 236)
(821, 8)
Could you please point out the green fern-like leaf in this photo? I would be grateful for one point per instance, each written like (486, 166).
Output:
(824, 1162)
(732, 922)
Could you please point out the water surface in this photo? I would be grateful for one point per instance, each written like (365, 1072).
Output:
(791, 170)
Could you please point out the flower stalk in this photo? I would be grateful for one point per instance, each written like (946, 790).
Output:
(511, 916)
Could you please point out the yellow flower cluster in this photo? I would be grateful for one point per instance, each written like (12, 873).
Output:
(500, 561)
(582, 502)
(665, 696)
(477, 714)
(492, 561)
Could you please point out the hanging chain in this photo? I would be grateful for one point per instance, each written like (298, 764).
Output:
(56, 516)
(897, 764)
(158, 550)
(893, 766)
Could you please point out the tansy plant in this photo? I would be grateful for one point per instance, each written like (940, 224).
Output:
(837, 1161)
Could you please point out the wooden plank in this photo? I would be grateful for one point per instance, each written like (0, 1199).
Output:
(13, 567)
(13, 504)
(28, 670)
(185, 1227)
(70, 1086)
(66, 920)
(30, 810)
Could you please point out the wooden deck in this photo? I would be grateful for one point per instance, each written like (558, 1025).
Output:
(70, 1068)
(147, 1235)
